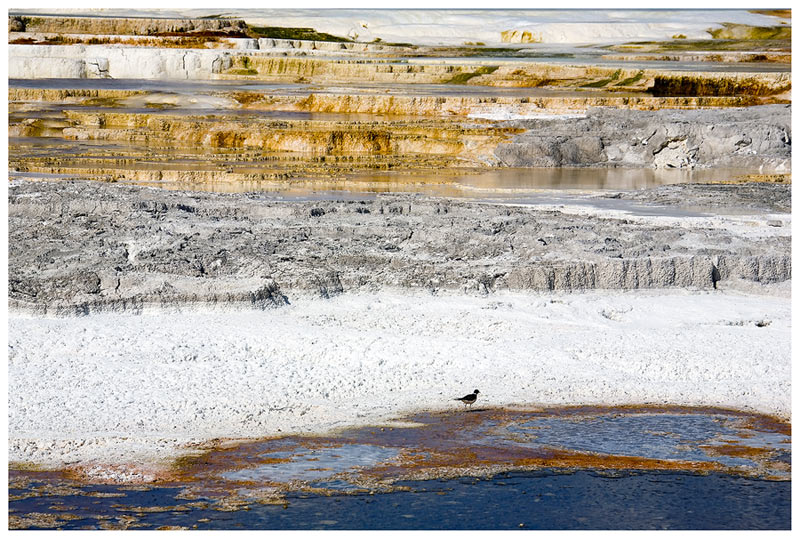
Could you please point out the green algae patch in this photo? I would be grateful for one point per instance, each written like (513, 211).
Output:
(630, 81)
(462, 78)
(160, 106)
(731, 30)
(243, 65)
(305, 34)
(241, 71)
(603, 82)
(698, 45)
(22, 466)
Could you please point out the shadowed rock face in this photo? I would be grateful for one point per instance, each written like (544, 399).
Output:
(758, 136)
(79, 247)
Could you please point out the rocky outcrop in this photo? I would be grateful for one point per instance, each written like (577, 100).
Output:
(139, 26)
(751, 137)
(81, 247)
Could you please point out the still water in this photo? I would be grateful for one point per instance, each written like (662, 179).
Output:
(508, 182)
(559, 468)
(546, 499)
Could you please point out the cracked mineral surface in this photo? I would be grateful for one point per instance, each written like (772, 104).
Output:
(79, 247)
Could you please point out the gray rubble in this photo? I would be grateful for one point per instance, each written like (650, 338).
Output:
(77, 247)
(749, 137)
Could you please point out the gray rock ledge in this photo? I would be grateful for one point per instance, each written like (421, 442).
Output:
(78, 247)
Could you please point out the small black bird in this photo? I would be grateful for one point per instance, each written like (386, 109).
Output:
(469, 399)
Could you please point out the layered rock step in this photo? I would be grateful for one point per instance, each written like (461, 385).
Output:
(253, 147)
(235, 144)
(119, 62)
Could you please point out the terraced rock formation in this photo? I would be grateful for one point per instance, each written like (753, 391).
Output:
(143, 26)
(263, 103)
(131, 61)
(231, 147)
(296, 122)
(272, 106)
(98, 47)
(235, 144)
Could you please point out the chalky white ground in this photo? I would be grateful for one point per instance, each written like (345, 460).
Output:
(140, 389)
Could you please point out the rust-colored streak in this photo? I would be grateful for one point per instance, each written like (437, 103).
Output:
(217, 460)
(735, 450)
(566, 459)
(533, 459)
(449, 444)
(765, 423)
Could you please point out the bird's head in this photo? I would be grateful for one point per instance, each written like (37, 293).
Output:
(476, 391)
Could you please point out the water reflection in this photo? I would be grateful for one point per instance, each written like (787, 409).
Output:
(587, 178)
(471, 184)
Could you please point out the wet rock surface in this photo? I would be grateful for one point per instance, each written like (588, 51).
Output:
(77, 247)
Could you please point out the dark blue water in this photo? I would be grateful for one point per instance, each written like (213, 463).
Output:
(581, 500)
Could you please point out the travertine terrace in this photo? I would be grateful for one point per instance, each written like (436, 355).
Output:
(240, 102)
(356, 247)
